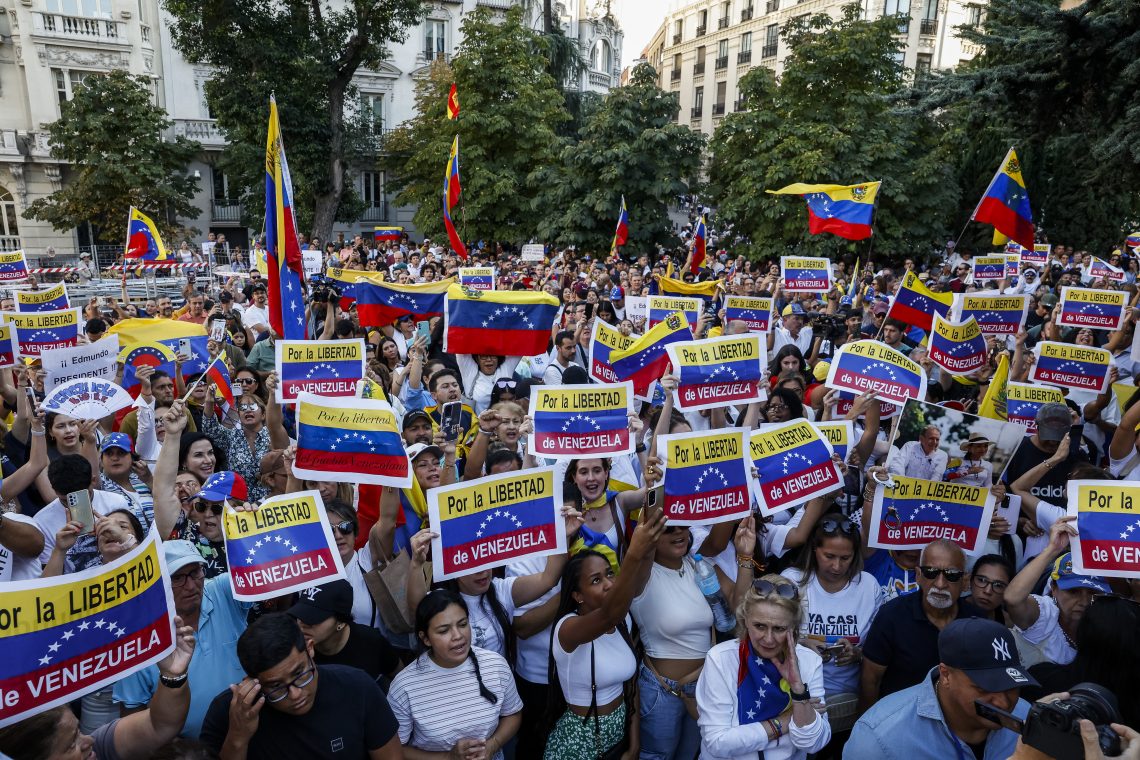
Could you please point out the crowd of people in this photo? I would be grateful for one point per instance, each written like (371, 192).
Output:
(612, 650)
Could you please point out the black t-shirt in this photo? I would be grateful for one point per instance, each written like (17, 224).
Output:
(350, 717)
(367, 649)
(1052, 487)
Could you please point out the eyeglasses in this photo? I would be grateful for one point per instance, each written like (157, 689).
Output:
(840, 525)
(348, 526)
(192, 575)
(982, 581)
(209, 506)
(953, 575)
(777, 407)
(767, 588)
(278, 693)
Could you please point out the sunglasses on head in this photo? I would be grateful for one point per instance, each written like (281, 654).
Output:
(505, 383)
(838, 525)
(767, 588)
(209, 506)
(953, 575)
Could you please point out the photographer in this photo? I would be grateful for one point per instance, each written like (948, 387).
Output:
(1090, 739)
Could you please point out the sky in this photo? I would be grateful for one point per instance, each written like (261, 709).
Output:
(639, 20)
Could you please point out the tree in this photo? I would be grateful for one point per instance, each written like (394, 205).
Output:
(308, 53)
(510, 107)
(111, 135)
(834, 116)
(632, 145)
(1064, 88)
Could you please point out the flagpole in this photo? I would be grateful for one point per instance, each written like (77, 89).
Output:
(202, 376)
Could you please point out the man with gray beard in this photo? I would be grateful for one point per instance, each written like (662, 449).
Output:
(902, 645)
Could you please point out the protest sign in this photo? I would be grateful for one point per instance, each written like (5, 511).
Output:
(1012, 265)
(1022, 400)
(1095, 309)
(718, 372)
(583, 420)
(69, 635)
(957, 347)
(847, 400)
(707, 477)
(52, 299)
(662, 306)
(916, 512)
(868, 365)
(13, 266)
(804, 274)
(995, 314)
(7, 346)
(87, 399)
(283, 546)
(312, 261)
(839, 435)
(98, 360)
(794, 465)
(603, 341)
(323, 367)
(1108, 527)
(495, 520)
(39, 331)
(350, 440)
(1038, 257)
(1070, 366)
(637, 307)
(989, 268)
(1100, 269)
(959, 437)
(477, 278)
(754, 312)
(533, 252)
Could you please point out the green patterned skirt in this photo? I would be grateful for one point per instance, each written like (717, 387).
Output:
(572, 739)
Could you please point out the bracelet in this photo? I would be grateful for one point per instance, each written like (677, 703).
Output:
(39, 432)
(487, 433)
(173, 682)
(640, 448)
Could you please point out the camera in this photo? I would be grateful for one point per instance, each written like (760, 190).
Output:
(830, 326)
(1053, 728)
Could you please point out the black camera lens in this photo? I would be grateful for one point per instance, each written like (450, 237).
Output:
(1095, 702)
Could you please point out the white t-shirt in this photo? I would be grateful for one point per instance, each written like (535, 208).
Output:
(486, 633)
(255, 315)
(13, 567)
(1046, 632)
(614, 664)
(54, 516)
(782, 337)
(674, 619)
(532, 654)
(436, 706)
(845, 614)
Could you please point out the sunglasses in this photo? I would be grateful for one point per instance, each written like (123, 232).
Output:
(247, 380)
(838, 525)
(348, 526)
(784, 590)
(952, 575)
(248, 407)
(505, 383)
(209, 506)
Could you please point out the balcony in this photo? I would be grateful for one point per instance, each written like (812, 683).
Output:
(744, 56)
(699, 69)
(10, 243)
(144, 33)
(772, 6)
(722, 22)
(501, 5)
(746, 14)
(677, 38)
(79, 28)
(204, 131)
(722, 63)
(928, 26)
(701, 31)
(697, 112)
(378, 212)
(601, 79)
(768, 51)
(436, 55)
(225, 211)
(675, 75)
(718, 109)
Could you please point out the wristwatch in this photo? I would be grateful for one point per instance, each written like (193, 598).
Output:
(173, 682)
(801, 697)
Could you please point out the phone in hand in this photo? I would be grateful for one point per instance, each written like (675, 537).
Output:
(830, 652)
(451, 420)
(31, 394)
(423, 330)
(998, 716)
(79, 509)
(184, 347)
(655, 499)
(236, 389)
(218, 330)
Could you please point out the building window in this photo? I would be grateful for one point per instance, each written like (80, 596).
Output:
(68, 80)
(702, 22)
(221, 184)
(898, 8)
(678, 30)
(603, 57)
(746, 42)
(8, 225)
(922, 66)
(699, 99)
(435, 39)
(87, 8)
(372, 189)
(974, 15)
(771, 39)
(372, 109)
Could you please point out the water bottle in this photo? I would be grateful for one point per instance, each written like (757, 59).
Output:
(710, 587)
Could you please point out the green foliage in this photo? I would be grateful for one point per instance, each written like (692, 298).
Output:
(632, 145)
(1063, 86)
(307, 53)
(834, 115)
(111, 135)
(510, 108)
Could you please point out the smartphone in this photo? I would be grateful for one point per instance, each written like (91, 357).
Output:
(236, 389)
(184, 347)
(655, 499)
(423, 330)
(589, 311)
(79, 509)
(831, 651)
(31, 394)
(999, 716)
(450, 420)
(218, 330)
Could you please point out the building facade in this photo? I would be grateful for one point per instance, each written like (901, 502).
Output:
(703, 49)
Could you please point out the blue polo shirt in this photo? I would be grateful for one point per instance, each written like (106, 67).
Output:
(214, 665)
(909, 725)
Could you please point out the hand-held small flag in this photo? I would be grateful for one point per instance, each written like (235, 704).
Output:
(451, 192)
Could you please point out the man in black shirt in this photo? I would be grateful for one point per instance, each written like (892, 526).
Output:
(325, 615)
(1054, 422)
(288, 706)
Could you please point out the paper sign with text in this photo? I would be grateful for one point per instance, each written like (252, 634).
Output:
(322, 367)
(98, 360)
(868, 365)
(39, 331)
(707, 478)
(350, 440)
(1096, 309)
(957, 347)
(533, 252)
(1022, 400)
(718, 372)
(52, 299)
(1108, 527)
(662, 306)
(989, 268)
(581, 420)
(604, 340)
(995, 314)
(916, 512)
(839, 435)
(1071, 366)
(754, 312)
(803, 274)
(794, 465)
(477, 278)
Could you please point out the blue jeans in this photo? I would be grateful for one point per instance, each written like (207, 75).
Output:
(667, 730)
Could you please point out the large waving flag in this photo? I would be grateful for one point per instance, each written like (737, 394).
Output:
(451, 192)
(844, 210)
(350, 440)
(387, 234)
(645, 360)
(381, 303)
(283, 252)
(621, 234)
(498, 322)
(700, 242)
(345, 281)
(453, 102)
(1005, 204)
(155, 342)
(668, 286)
(143, 241)
(915, 304)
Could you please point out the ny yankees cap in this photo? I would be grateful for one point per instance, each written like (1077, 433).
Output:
(317, 604)
(986, 652)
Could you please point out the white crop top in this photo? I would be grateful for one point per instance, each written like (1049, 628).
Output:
(674, 619)
(614, 664)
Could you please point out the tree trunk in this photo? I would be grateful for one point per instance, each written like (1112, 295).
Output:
(326, 204)
(548, 16)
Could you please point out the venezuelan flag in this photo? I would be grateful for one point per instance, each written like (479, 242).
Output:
(141, 333)
(1132, 240)
(1005, 204)
(706, 290)
(621, 234)
(915, 304)
(219, 373)
(699, 244)
(451, 192)
(283, 251)
(382, 234)
(645, 360)
(350, 440)
(843, 210)
(382, 303)
(143, 240)
(345, 281)
(497, 322)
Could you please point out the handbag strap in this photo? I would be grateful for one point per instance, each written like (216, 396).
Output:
(593, 711)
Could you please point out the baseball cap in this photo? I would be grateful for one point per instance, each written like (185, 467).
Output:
(879, 308)
(820, 370)
(986, 652)
(413, 416)
(117, 441)
(223, 485)
(792, 309)
(179, 553)
(1053, 421)
(1062, 574)
(1049, 300)
(317, 604)
(421, 448)
(617, 293)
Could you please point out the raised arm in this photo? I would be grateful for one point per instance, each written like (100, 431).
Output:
(167, 507)
(1019, 603)
(274, 418)
(1023, 486)
(139, 735)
